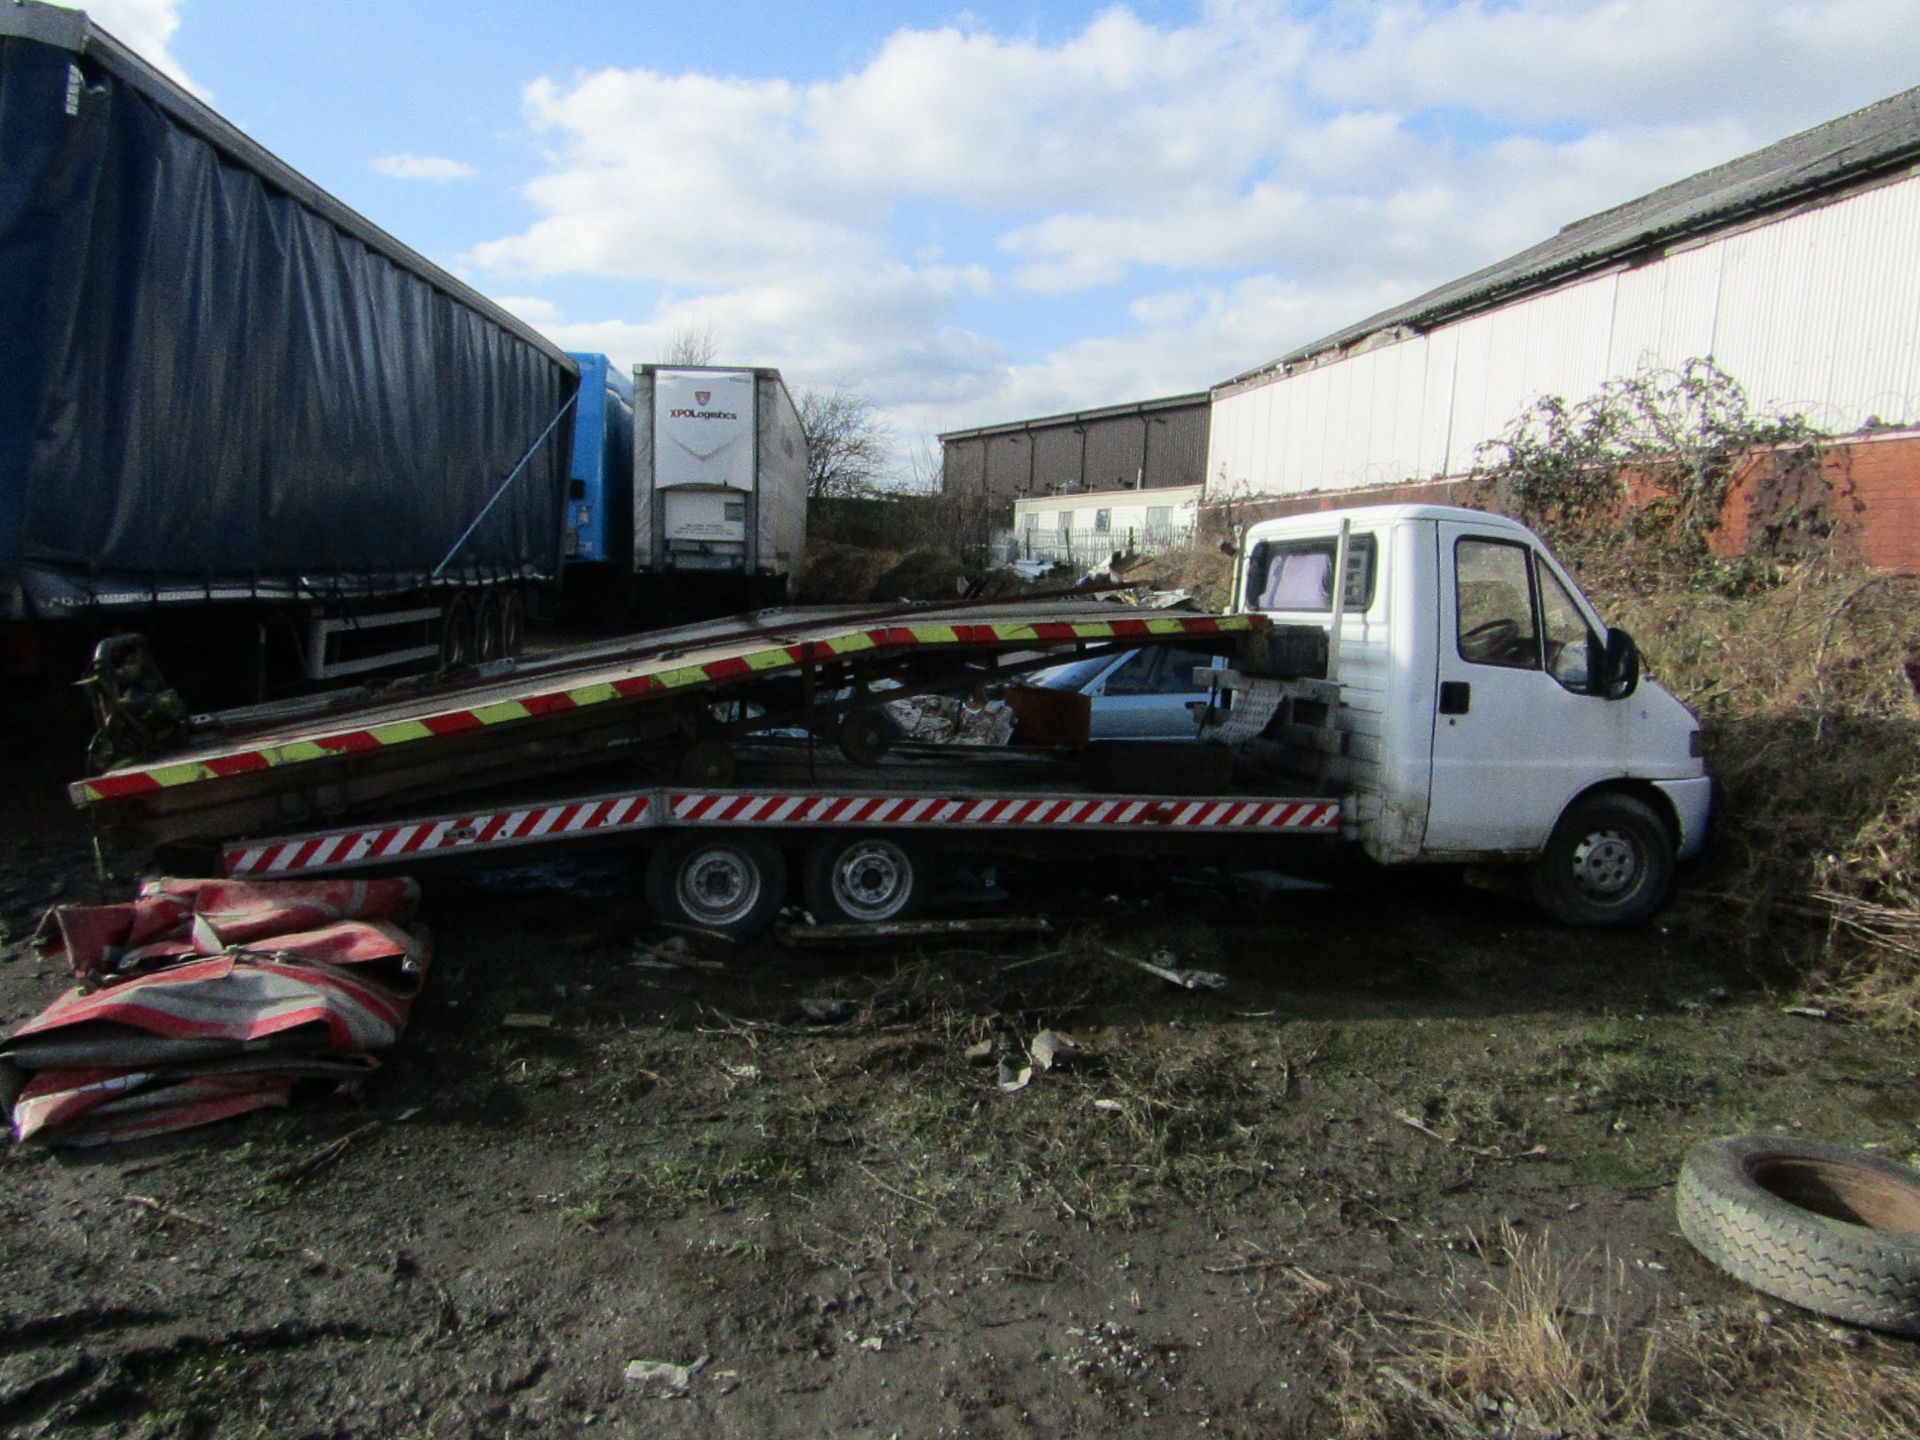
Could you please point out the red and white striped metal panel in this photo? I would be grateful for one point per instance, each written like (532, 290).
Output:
(382, 844)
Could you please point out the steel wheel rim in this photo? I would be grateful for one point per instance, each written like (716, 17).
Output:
(718, 887)
(872, 880)
(1607, 864)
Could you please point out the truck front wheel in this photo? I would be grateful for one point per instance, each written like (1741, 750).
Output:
(1609, 862)
(732, 884)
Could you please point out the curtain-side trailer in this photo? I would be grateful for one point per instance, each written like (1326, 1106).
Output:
(237, 412)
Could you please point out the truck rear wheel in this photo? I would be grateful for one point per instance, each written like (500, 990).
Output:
(864, 880)
(488, 636)
(1609, 862)
(732, 884)
(513, 623)
(456, 633)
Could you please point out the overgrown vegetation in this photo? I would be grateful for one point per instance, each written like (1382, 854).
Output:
(1651, 461)
(1803, 664)
(1547, 1344)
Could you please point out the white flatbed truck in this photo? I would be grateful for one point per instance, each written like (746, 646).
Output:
(1424, 683)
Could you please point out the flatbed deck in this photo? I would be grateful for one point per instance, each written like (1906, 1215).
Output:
(568, 712)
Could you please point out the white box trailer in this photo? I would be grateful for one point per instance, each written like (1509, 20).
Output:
(719, 481)
(1422, 683)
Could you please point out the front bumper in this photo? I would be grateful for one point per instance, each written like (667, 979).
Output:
(1693, 806)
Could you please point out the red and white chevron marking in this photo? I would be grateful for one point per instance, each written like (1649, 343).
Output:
(733, 808)
(345, 849)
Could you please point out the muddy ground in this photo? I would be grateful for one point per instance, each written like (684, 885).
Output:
(1239, 1212)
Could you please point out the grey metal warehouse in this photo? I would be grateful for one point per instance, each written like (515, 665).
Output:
(1147, 445)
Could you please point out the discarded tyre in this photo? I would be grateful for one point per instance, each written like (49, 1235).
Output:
(1828, 1228)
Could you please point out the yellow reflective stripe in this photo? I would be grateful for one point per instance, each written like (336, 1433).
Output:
(500, 710)
(396, 732)
(184, 774)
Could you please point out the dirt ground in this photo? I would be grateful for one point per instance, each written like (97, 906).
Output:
(1243, 1211)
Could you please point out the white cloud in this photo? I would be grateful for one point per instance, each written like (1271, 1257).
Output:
(1772, 65)
(535, 311)
(144, 27)
(421, 167)
(1228, 188)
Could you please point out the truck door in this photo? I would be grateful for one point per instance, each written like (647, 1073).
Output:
(1515, 733)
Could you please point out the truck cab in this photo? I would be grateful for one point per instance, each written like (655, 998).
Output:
(1485, 712)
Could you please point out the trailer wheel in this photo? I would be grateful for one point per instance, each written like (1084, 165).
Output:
(864, 880)
(732, 884)
(456, 633)
(865, 735)
(487, 634)
(513, 623)
(1609, 862)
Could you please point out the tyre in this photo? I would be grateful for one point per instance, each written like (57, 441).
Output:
(864, 880)
(456, 633)
(1609, 862)
(487, 634)
(1824, 1227)
(731, 884)
(513, 624)
(865, 735)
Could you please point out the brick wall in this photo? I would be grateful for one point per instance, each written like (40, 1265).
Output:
(1875, 483)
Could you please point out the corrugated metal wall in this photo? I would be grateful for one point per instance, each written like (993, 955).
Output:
(1813, 314)
(1102, 453)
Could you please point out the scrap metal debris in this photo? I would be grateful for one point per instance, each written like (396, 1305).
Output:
(827, 1012)
(1017, 1064)
(663, 1377)
(1185, 979)
(897, 930)
(202, 999)
(1049, 1046)
(946, 720)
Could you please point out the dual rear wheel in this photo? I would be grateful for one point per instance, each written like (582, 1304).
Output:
(478, 627)
(735, 884)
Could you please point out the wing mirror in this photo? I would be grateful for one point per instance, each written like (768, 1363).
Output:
(1616, 673)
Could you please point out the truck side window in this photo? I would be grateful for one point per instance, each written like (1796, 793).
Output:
(1298, 574)
(1568, 638)
(1494, 593)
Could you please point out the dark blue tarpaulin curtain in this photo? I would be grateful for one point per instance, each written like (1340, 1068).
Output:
(201, 377)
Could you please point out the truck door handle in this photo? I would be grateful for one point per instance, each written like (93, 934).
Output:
(1456, 697)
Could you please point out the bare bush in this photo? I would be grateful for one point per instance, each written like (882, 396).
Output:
(849, 445)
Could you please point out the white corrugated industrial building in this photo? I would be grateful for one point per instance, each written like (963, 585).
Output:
(1796, 268)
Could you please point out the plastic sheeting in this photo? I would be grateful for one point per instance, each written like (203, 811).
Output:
(211, 379)
(204, 999)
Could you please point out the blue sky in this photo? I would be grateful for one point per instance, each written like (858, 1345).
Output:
(987, 212)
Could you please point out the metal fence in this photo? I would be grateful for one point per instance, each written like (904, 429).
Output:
(1087, 547)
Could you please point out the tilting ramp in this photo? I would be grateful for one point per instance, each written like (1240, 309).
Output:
(573, 710)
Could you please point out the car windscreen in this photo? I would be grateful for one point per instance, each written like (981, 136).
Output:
(1074, 675)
